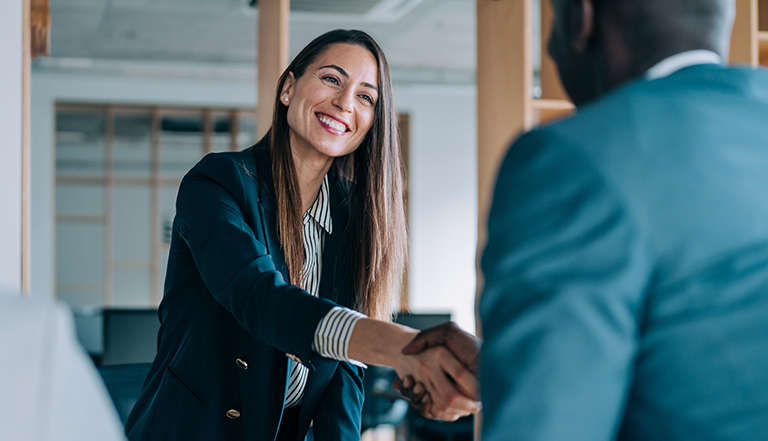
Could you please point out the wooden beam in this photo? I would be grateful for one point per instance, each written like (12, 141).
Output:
(551, 87)
(109, 202)
(207, 131)
(234, 129)
(504, 84)
(155, 292)
(26, 115)
(744, 41)
(272, 57)
(40, 18)
(404, 125)
(504, 81)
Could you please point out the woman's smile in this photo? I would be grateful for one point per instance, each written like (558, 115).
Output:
(332, 124)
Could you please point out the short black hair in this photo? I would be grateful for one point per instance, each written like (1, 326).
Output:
(653, 26)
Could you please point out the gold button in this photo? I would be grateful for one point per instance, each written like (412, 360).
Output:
(232, 414)
(241, 363)
(294, 358)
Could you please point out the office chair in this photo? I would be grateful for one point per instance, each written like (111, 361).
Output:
(382, 404)
(129, 346)
(129, 336)
(124, 383)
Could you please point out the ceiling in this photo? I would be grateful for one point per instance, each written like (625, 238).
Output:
(428, 38)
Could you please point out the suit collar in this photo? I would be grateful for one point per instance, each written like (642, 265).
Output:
(679, 61)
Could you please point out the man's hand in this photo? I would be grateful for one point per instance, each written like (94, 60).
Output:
(451, 386)
(463, 345)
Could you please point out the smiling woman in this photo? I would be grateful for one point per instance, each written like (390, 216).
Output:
(279, 254)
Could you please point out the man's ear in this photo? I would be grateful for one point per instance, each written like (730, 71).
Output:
(582, 24)
(287, 91)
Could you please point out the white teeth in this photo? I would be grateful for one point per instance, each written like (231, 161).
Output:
(333, 123)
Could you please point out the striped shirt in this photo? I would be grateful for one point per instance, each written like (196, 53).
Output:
(333, 332)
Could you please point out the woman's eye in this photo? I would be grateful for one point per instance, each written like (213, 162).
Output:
(331, 79)
(367, 98)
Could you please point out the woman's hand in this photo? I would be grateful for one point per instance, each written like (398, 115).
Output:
(464, 346)
(450, 391)
(414, 392)
(451, 386)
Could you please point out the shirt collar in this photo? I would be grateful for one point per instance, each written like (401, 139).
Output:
(672, 64)
(320, 211)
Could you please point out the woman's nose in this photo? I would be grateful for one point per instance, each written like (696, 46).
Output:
(344, 100)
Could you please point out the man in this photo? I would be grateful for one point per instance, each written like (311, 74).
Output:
(626, 270)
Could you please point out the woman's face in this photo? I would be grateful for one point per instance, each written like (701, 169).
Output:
(331, 107)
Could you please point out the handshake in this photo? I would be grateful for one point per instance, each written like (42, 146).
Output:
(449, 391)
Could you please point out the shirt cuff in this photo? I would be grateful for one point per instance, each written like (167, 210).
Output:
(333, 333)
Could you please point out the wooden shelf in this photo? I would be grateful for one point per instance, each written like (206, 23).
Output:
(544, 104)
(548, 110)
(762, 42)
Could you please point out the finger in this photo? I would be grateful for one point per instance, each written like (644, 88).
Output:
(464, 346)
(448, 402)
(425, 406)
(428, 338)
(397, 384)
(418, 344)
(418, 393)
(465, 381)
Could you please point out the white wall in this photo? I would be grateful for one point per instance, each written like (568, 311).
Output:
(10, 144)
(442, 198)
(443, 187)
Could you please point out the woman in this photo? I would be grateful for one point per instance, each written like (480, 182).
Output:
(273, 249)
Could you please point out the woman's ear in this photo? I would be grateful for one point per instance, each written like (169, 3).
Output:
(287, 92)
(582, 24)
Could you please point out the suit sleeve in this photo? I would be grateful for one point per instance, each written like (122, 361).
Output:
(338, 416)
(565, 272)
(235, 265)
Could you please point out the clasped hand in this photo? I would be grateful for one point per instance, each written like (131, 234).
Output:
(439, 375)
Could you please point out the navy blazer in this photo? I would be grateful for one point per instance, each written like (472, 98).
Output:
(626, 271)
(229, 319)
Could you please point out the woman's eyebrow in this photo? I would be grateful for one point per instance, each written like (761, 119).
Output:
(346, 75)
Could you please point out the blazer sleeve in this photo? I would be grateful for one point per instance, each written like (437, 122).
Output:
(338, 415)
(216, 206)
(565, 272)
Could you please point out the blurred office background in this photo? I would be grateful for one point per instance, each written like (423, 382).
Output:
(136, 91)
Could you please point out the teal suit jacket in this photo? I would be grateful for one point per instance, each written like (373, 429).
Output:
(229, 319)
(626, 271)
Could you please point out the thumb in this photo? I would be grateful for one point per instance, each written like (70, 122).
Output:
(418, 344)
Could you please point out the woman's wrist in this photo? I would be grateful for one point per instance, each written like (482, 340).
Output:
(379, 343)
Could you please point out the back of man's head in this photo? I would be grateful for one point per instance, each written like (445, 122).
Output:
(658, 28)
(600, 44)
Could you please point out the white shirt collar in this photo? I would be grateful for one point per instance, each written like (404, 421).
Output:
(320, 210)
(672, 64)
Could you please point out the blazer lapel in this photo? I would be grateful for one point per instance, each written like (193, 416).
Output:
(267, 218)
(334, 284)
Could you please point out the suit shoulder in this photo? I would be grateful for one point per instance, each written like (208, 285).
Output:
(227, 162)
(226, 169)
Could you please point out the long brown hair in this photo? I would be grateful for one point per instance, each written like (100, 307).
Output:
(376, 236)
